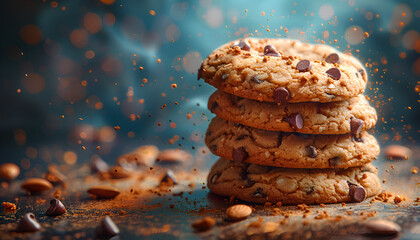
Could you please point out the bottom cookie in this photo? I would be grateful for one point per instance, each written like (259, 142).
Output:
(260, 184)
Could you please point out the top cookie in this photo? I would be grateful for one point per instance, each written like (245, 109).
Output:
(283, 70)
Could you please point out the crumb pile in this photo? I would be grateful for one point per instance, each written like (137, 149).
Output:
(291, 123)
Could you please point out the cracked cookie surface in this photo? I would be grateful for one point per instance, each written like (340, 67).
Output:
(257, 68)
(260, 184)
(318, 118)
(292, 150)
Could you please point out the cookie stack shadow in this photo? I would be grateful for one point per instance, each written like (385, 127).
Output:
(291, 123)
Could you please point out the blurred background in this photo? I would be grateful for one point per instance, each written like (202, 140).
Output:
(101, 77)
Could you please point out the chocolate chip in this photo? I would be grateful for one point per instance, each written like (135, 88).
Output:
(295, 120)
(214, 106)
(200, 72)
(214, 178)
(334, 73)
(168, 179)
(357, 139)
(256, 79)
(333, 58)
(213, 148)
(356, 125)
(107, 228)
(333, 162)
(98, 165)
(244, 45)
(304, 66)
(309, 190)
(241, 137)
(312, 153)
(28, 224)
(269, 50)
(56, 208)
(259, 193)
(239, 154)
(249, 183)
(362, 72)
(357, 193)
(281, 95)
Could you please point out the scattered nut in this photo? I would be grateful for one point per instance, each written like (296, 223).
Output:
(238, 212)
(204, 224)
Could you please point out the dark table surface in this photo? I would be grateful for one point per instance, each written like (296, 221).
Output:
(145, 211)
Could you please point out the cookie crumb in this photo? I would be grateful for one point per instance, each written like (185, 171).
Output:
(9, 206)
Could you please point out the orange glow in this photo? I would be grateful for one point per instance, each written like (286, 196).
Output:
(108, 2)
(92, 22)
(31, 34)
(89, 54)
(79, 38)
(112, 66)
(109, 19)
(33, 83)
(54, 4)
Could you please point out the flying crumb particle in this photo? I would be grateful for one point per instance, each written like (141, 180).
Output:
(158, 61)
(246, 10)
(117, 128)
(286, 30)
(172, 125)
(189, 116)
(174, 85)
(19, 90)
(141, 68)
(262, 13)
(414, 170)
(144, 80)
(152, 12)
(366, 34)
(141, 101)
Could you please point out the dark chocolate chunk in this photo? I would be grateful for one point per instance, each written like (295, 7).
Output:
(200, 72)
(333, 58)
(214, 106)
(312, 153)
(168, 179)
(244, 45)
(239, 154)
(280, 139)
(356, 192)
(107, 228)
(356, 125)
(281, 95)
(241, 137)
(357, 139)
(214, 178)
(259, 193)
(309, 190)
(213, 148)
(56, 208)
(295, 120)
(256, 79)
(98, 165)
(334, 73)
(304, 66)
(269, 50)
(249, 183)
(334, 161)
(28, 224)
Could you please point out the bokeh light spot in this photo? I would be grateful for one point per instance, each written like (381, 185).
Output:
(109, 19)
(214, 17)
(354, 35)
(70, 157)
(92, 22)
(107, 2)
(326, 11)
(112, 66)
(192, 61)
(33, 83)
(79, 38)
(71, 89)
(31, 34)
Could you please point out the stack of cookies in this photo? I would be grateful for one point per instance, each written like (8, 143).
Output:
(290, 123)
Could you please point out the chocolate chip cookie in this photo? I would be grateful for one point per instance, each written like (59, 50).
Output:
(292, 150)
(317, 118)
(283, 70)
(260, 184)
